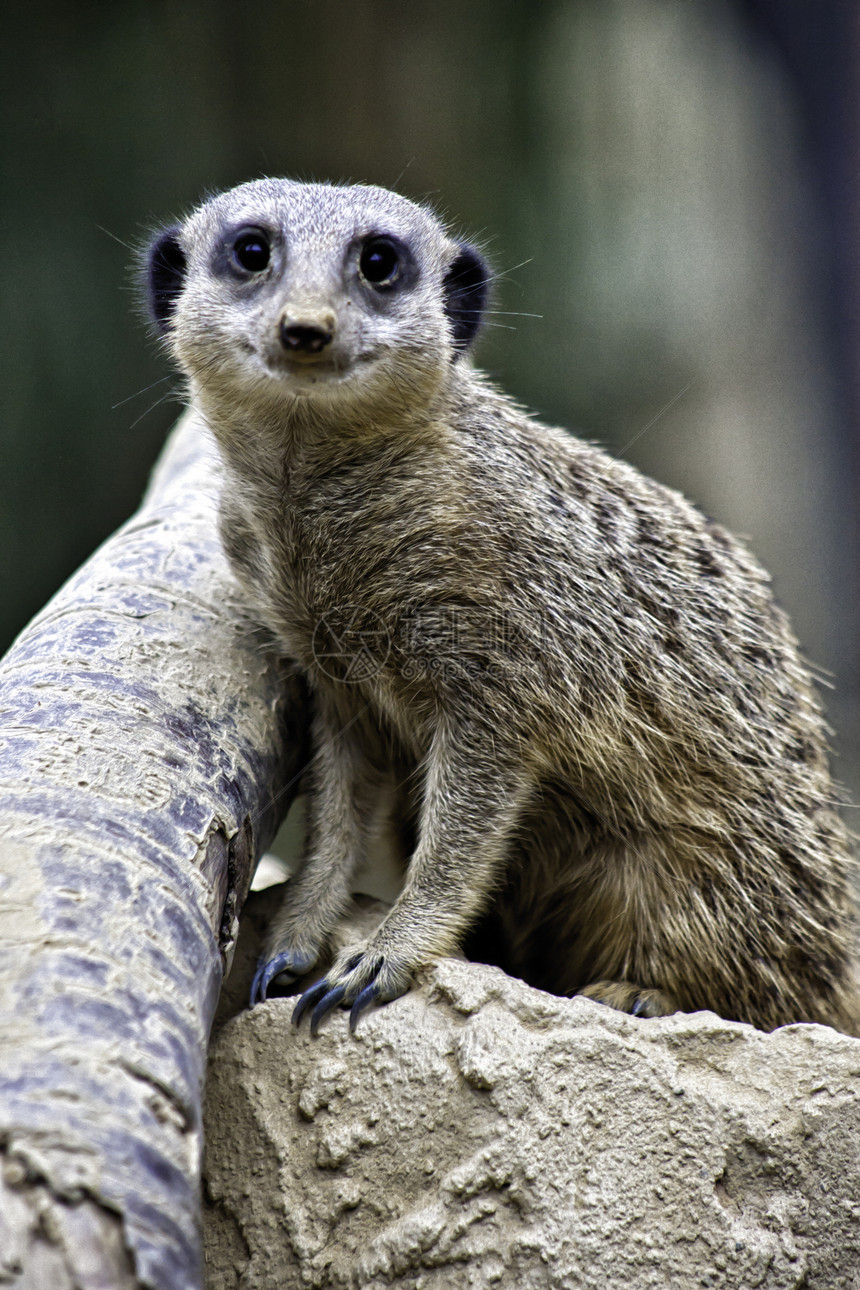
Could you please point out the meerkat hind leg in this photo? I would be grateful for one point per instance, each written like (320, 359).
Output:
(625, 996)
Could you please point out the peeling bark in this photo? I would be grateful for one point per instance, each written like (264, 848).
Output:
(149, 747)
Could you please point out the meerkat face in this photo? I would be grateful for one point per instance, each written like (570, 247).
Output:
(279, 291)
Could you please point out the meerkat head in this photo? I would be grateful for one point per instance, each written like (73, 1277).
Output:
(279, 294)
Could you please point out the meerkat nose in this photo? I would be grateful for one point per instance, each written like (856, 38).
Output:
(305, 336)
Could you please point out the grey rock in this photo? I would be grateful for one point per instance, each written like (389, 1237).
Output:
(477, 1132)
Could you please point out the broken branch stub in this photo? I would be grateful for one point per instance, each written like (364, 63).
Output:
(149, 747)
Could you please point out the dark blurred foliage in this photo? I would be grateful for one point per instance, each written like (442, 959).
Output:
(668, 186)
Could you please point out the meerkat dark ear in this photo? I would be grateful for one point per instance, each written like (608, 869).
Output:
(467, 286)
(165, 275)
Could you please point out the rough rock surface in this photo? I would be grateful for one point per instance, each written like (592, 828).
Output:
(480, 1133)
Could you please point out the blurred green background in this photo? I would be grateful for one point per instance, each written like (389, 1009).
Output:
(668, 186)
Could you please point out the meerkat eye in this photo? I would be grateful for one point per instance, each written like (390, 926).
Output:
(380, 262)
(251, 250)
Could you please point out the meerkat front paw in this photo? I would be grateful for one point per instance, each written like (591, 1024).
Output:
(359, 979)
(624, 996)
(294, 944)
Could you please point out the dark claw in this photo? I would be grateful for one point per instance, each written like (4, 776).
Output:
(309, 998)
(640, 1007)
(369, 995)
(326, 1003)
(266, 970)
(288, 963)
(255, 985)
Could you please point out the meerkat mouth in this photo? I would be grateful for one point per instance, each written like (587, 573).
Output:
(303, 373)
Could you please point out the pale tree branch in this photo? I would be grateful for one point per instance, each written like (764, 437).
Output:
(149, 747)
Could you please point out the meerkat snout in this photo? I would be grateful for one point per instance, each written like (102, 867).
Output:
(305, 338)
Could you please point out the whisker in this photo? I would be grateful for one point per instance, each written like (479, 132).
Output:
(137, 393)
(665, 408)
(164, 398)
(502, 275)
(126, 245)
(510, 313)
(396, 183)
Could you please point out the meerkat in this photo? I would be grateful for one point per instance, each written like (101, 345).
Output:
(577, 689)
